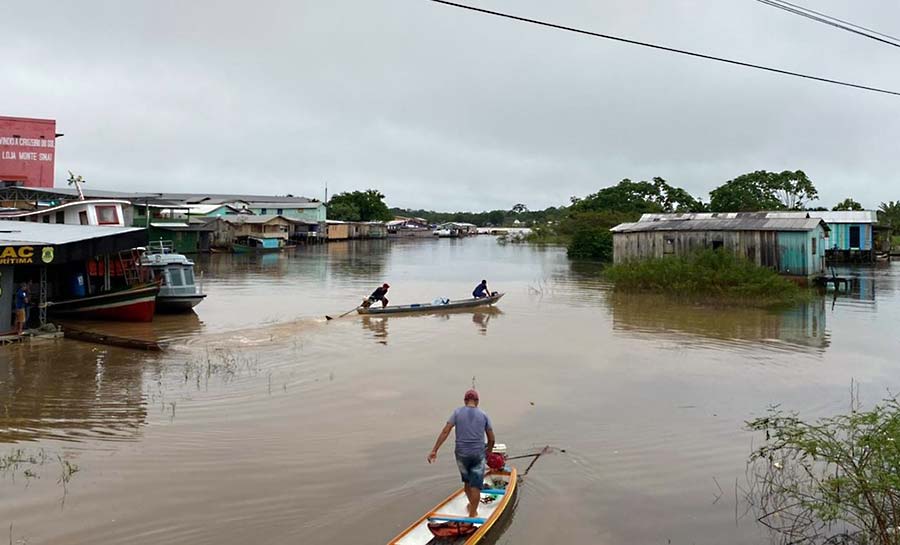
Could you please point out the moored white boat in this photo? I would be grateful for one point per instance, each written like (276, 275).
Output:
(178, 291)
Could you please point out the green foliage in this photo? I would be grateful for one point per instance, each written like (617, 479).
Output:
(762, 190)
(589, 236)
(359, 206)
(495, 218)
(808, 479)
(889, 215)
(639, 198)
(715, 275)
(848, 204)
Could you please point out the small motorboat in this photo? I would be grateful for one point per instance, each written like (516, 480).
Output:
(178, 291)
(434, 306)
(449, 521)
(257, 245)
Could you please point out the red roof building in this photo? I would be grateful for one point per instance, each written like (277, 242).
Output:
(27, 151)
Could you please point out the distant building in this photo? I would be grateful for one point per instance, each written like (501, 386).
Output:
(792, 247)
(27, 151)
(306, 211)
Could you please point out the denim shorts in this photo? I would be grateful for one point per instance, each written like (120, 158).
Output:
(471, 469)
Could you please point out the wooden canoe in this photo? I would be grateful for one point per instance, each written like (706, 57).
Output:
(431, 307)
(499, 485)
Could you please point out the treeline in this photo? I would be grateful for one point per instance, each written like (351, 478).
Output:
(584, 224)
(493, 218)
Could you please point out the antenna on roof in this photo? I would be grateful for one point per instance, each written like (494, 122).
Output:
(77, 181)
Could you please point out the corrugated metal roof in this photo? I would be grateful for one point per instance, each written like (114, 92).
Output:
(246, 218)
(721, 224)
(190, 198)
(862, 216)
(273, 204)
(26, 232)
(848, 216)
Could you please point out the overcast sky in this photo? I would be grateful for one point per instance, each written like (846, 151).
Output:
(446, 109)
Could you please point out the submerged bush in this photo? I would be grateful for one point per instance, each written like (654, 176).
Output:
(588, 235)
(710, 274)
(833, 481)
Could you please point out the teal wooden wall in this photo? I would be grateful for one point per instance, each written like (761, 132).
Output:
(840, 236)
(795, 252)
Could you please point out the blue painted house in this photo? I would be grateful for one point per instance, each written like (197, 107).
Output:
(852, 233)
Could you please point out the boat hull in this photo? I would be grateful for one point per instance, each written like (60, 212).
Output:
(177, 303)
(430, 307)
(131, 305)
(243, 249)
(454, 506)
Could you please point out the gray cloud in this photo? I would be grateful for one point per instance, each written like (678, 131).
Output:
(446, 109)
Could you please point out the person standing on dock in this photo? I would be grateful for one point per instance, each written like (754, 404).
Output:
(378, 295)
(472, 424)
(21, 304)
(481, 290)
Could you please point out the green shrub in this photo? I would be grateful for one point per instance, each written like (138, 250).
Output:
(708, 274)
(589, 236)
(831, 481)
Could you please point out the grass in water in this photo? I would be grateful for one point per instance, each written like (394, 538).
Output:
(709, 276)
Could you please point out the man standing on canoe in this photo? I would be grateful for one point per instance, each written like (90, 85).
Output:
(472, 424)
(481, 290)
(378, 295)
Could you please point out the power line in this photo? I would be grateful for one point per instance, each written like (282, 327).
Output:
(664, 48)
(831, 21)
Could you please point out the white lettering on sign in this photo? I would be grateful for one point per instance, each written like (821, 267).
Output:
(26, 142)
(26, 155)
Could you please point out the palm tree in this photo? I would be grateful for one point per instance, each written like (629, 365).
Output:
(889, 215)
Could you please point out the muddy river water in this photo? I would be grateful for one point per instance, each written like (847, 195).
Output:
(264, 423)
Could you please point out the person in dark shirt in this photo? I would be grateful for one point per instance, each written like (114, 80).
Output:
(378, 295)
(481, 290)
(21, 303)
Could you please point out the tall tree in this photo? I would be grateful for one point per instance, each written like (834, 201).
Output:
(763, 190)
(847, 204)
(638, 198)
(519, 208)
(359, 206)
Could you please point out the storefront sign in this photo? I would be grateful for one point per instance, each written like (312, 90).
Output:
(26, 255)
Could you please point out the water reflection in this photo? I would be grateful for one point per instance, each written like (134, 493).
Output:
(378, 325)
(89, 393)
(164, 327)
(801, 328)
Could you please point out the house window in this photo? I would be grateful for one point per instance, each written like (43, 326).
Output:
(717, 244)
(46, 218)
(60, 217)
(82, 218)
(280, 211)
(812, 245)
(107, 215)
(263, 211)
(669, 247)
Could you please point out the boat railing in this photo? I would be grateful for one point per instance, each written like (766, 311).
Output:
(160, 247)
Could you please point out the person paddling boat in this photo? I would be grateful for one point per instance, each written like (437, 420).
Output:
(377, 295)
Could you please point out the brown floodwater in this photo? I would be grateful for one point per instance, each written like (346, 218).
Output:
(264, 423)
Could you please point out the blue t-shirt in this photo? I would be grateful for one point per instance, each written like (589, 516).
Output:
(471, 423)
(479, 290)
(21, 296)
